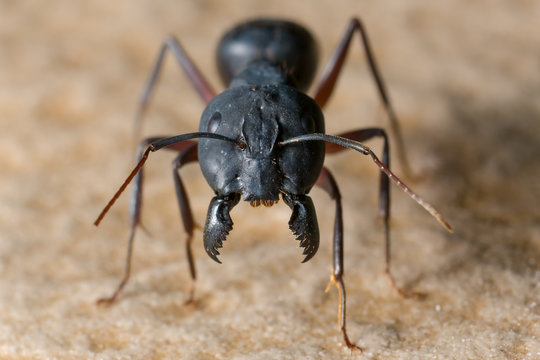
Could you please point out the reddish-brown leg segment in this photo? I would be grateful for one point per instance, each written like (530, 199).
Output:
(186, 156)
(333, 69)
(327, 183)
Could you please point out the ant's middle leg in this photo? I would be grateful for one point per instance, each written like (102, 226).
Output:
(135, 212)
(384, 195)
(333, 70)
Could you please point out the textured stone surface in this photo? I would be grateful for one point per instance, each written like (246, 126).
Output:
(464, 79)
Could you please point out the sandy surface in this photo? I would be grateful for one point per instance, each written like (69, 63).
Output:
(464, 77)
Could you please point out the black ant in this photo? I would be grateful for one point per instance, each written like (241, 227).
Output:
(263, 138)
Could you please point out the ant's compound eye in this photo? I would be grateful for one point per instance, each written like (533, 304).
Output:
(308, 123)
(272, 96)
(214, 122)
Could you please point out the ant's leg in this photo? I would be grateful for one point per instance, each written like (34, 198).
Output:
(333, 69)
(384, 192)
(327, 183)
(135, 218)
(201, 85)
(187, 155)
(135, 214)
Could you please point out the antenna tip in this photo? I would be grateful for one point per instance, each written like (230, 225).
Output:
(447, 226)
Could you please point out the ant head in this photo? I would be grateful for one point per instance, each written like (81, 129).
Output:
(259, 118)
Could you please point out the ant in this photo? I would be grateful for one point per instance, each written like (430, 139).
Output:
(263, 138)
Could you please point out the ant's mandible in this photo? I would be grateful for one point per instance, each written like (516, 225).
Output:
(263, 138)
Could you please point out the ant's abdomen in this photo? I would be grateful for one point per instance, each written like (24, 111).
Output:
(283, 43)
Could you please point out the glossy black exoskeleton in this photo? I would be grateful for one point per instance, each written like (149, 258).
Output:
(263, 138)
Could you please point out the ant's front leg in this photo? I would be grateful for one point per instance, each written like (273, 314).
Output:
(362, 135)
(328, 184)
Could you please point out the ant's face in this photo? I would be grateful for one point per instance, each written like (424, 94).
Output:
(260, 118)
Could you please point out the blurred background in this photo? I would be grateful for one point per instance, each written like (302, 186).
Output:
(464, 80)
